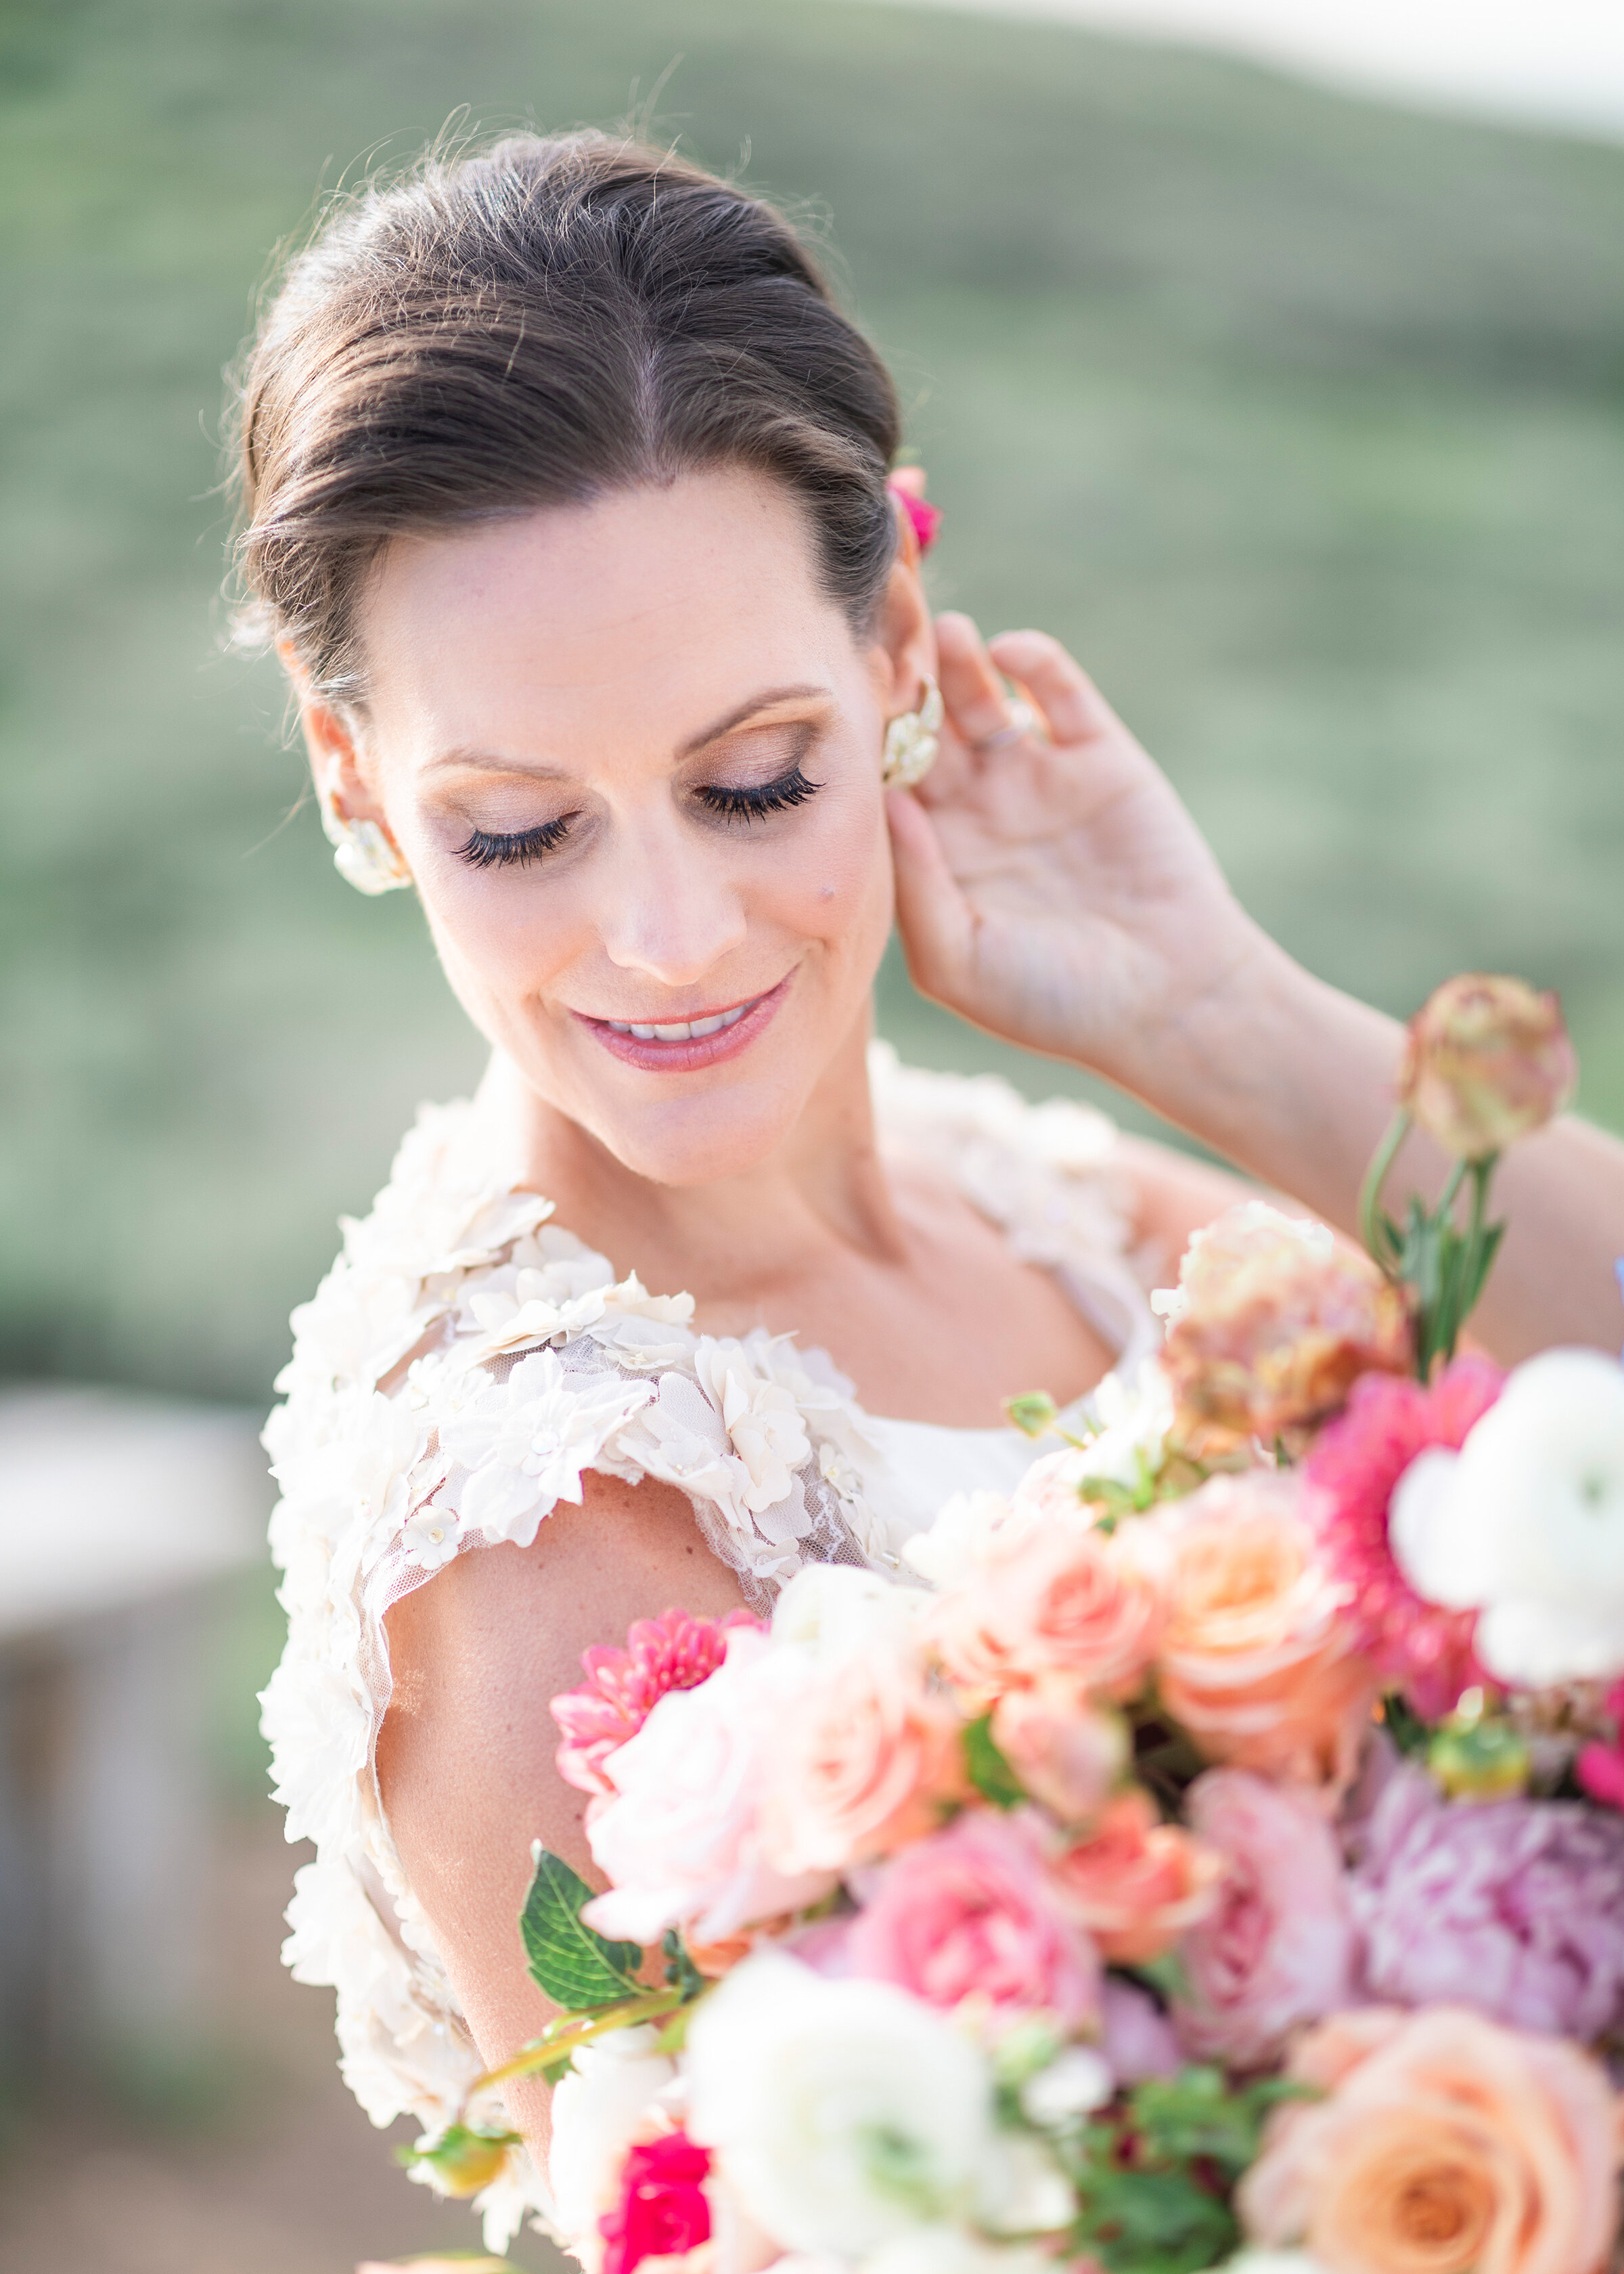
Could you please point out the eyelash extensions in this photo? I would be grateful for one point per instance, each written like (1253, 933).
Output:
(791, 788)
(488, 848)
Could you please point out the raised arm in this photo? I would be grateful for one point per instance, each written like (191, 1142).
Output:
(1054, 890)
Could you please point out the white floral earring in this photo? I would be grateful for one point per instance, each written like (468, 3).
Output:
(911, 741)
(362, 853)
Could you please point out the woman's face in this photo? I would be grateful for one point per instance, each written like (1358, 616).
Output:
(631, 754)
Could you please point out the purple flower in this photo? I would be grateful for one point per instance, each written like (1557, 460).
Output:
(1513, 1906)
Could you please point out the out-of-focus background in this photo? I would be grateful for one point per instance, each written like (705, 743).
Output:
(1294, 408)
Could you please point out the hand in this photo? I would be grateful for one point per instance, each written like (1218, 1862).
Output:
(1050, 886)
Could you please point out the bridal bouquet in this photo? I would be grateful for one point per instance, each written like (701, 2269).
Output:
(1212, 1854)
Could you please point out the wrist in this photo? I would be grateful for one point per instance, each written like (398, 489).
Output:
(1279, 1073)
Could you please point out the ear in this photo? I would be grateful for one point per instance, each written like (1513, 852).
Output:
(905, 641)
(335, 761)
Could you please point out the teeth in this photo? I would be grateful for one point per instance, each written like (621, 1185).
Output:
(687, 1031)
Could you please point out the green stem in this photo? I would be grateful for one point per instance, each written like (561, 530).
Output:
(1370, 1196)
(1446, 1199)
(579, 2030)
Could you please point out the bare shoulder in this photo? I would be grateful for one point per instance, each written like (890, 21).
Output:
(1175, 1194)
(465, 1755)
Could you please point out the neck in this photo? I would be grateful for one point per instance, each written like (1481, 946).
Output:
(733, 1243)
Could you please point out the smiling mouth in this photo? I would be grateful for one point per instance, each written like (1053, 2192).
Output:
(683, 1030)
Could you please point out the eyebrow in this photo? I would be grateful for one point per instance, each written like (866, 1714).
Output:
(463, 755)
(747, 710)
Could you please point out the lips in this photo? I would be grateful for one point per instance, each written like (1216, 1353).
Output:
(687, 1045)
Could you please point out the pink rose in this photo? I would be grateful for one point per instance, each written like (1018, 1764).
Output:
(678, 1837)
(1277, 1951)
(871, 1757)
(1067, 1755)
(1257, 1660)
(970, 1913)
(623, 1687)
(1137, 1884)
(1074, 1602)
(1442, 2145)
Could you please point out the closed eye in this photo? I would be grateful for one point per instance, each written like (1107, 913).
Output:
(495, 848)
(750, 803)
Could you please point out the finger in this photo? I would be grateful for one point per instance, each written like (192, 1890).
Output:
(1070, 701)
(932, 917)
(977, 707)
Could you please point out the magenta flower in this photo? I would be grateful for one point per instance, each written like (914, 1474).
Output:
(623, 1687)
(663, 2209)
(1351, 1476)
(1515, 1907)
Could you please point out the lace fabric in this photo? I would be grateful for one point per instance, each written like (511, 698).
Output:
(463, 1365)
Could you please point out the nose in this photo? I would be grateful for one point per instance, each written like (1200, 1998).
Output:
(671, 913)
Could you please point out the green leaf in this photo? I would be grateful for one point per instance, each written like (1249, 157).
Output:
(1033, 1412)
(574, 1967)
(987, 1769)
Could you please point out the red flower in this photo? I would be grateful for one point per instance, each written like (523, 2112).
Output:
(623, 1687)
(1351, 1476)
(1601, 1767)
(663, 2209)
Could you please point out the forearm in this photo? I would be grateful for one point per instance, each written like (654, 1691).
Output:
(1294, 1082)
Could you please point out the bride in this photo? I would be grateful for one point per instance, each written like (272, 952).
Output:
(566, 502)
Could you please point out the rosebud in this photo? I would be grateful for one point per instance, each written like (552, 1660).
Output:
(1487, 1061)
(458, 2161)
(1270, 1324)
(1069, 1756)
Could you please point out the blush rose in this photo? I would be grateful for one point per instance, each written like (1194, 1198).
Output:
(1277, 1949)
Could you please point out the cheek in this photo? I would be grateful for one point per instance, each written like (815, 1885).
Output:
(843, 884)
(498, 941)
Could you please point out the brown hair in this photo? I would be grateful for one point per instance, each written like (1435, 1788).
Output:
(535, 324)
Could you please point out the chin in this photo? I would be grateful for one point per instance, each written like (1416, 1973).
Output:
(724, 1131)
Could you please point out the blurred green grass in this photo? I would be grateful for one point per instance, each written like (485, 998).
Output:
(1299, 417)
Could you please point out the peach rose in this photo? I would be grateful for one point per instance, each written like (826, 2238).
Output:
(1137, 1884)
(1067, 1754)
(1075, 1602)
(869, 1758)
(1255, 1661)
(1444, 2145)
(1272, 1322)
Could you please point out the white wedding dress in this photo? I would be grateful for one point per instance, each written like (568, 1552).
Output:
(465, 1361)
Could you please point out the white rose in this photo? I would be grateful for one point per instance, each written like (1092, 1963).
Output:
(833, 1609)
(970, 1528)
(845, 2114)
(597, 2111)
(1525, 1524)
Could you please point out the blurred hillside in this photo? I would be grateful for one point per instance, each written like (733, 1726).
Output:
(1297, 417)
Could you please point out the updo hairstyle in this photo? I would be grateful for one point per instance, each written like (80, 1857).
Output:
(542, 323)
